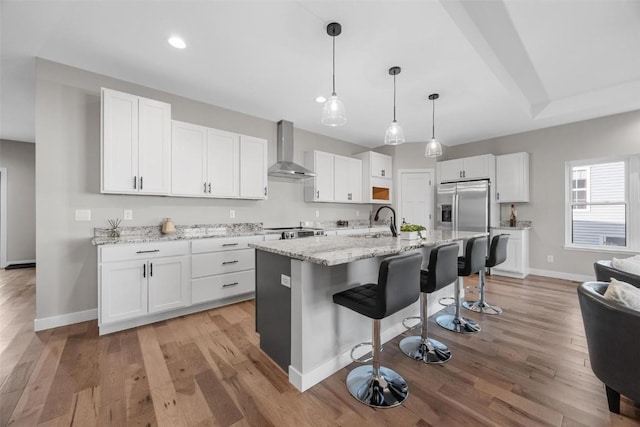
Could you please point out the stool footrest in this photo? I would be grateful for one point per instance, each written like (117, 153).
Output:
(447, 301)
(406, 319)
(363, 344)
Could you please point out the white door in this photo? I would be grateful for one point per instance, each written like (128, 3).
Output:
(123, 290)
(324, 176)
(189, 168)
(416, 198)
(355, 180)
(119, 142)
(169, 283)
(154, 147)
(253, 167)
(223, 163)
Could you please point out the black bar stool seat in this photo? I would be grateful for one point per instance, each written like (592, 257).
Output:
(472, 262)
(442, 271)
(398, 287)
(497, 255)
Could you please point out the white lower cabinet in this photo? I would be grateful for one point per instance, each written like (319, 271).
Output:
(136, 280)
(517, 262)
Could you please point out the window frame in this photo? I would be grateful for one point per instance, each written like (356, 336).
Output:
(631, 201)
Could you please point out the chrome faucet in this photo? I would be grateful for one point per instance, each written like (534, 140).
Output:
(392, 226)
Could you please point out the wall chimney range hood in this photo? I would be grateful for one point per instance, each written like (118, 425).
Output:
(285, 167)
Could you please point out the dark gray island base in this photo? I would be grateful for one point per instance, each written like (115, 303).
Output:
(300, 327)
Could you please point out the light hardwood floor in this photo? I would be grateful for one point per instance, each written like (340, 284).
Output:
(528, 366)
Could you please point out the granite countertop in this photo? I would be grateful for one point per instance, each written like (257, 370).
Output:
(144, 234)
(337, 250)
(520, 225)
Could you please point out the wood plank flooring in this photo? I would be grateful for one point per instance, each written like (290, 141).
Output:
(528, 367)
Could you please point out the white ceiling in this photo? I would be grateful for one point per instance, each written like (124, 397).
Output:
(501, 67)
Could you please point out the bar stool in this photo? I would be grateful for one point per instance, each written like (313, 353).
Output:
(497, 255)
(472, 262)
(442, 271)
(398, 287)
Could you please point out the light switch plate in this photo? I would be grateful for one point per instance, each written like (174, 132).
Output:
(128, 214)
(83, 214)
(317, 214)
(285, 280)
(232, 213)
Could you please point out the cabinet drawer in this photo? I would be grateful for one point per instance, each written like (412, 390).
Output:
(223, 244)
(142, 251)
(222, 286)
(222, 262)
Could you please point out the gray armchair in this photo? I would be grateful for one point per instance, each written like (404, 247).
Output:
(605, 271)
(613, 338)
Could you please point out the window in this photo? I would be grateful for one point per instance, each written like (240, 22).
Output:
(603, 204)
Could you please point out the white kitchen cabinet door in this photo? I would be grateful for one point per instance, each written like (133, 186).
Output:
(341, 178)
(253, 167)
(517, 262)
(119, 142)
(123, 290)
(355, 180)
(477, 167)
(169, 283)
(512, 178)
(324, 169)
(223, 161)
(449, 170)
(381, 165)
(154, 146)
(189, 151)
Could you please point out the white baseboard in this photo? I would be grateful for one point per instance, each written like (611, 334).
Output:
(307, 380)
(562, 275)
(64, 319)
(22, 261)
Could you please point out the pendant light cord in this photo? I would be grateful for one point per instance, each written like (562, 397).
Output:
(333, 38)
(433, 120)
(394, 97)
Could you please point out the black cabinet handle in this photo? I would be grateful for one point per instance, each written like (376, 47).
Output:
(148, 252)
(229, 262)
(144, 270)
(141, 183)
(318, 194)
(382, 172)
(205, 187)
(150, 269)
(230, 284)
(209, 188)
(230, 244)
(265, 191)
(135, 182)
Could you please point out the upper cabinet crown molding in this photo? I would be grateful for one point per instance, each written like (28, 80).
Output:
(512, 171)
(135, 144)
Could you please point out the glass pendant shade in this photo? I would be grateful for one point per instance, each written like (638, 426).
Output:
(334, 113)
(394, 134)
(434, 149)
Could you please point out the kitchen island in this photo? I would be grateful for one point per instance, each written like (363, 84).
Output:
(300, 327)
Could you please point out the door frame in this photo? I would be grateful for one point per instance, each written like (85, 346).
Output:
(432, 171)
(3, 217)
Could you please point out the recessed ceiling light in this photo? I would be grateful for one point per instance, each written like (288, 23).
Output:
(321, 99)
(177, 42)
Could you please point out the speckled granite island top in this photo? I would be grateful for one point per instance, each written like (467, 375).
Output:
(330, 251)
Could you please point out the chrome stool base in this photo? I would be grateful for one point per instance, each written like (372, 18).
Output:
(481, 307)
(386, 390)
(427, 351)
(460, 324)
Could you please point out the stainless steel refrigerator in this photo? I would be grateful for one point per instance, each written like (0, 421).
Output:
(464, 206)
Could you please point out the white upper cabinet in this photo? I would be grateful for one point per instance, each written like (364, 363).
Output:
(223, 162)
(136, 144)
(347, 179)
(512, 176)
(214, 163)
(381, 165)
(253, 167)
(321, 187)
(476, 167)
(377, 177)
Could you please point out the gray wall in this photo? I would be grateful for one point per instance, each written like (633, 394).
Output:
(548, 150)
(20, 161)
(68, 178)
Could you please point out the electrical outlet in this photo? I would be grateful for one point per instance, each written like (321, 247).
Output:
(232, 213)
(317, 214)
(285, 280)
(83, 214)
(128, 214)
(357, 213)
(550, 258)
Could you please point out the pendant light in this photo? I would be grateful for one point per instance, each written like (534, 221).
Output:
(394, 134)
(333, 113)
(434, 149)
